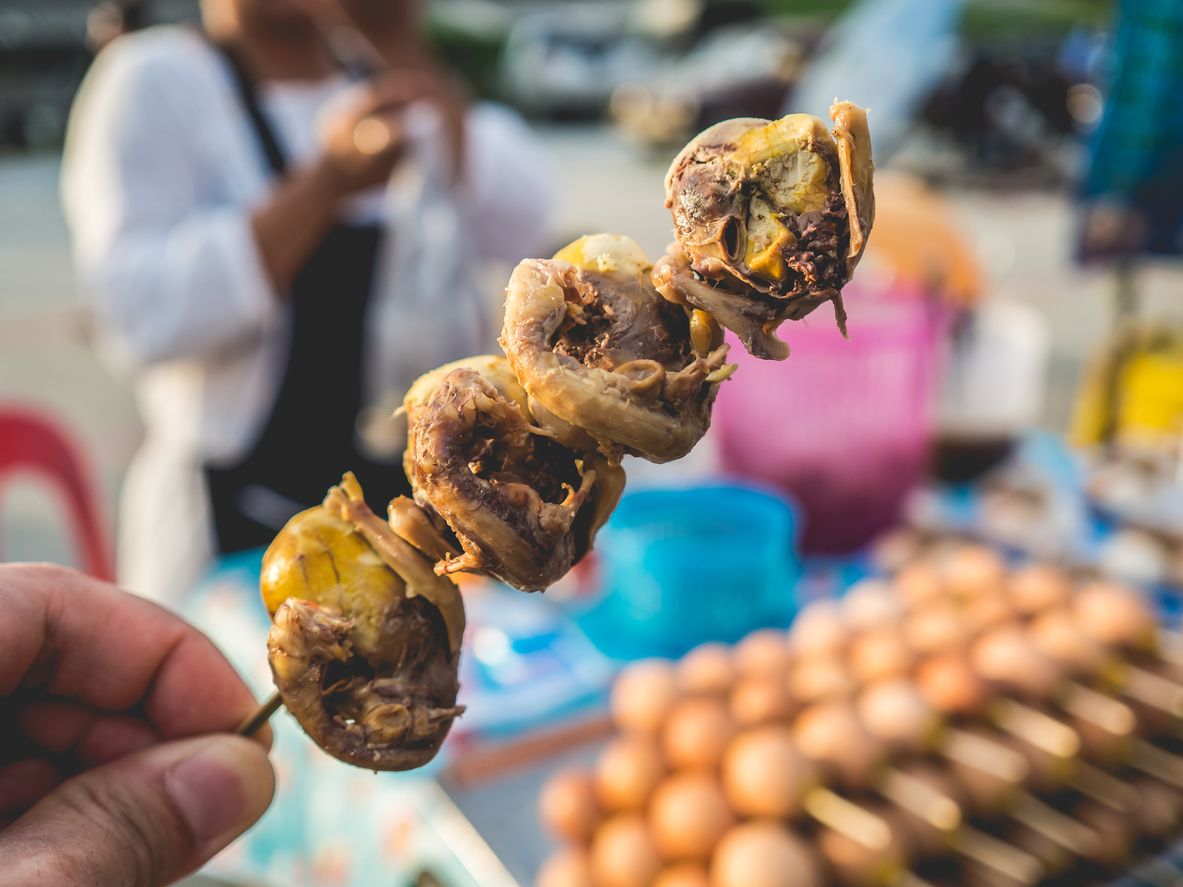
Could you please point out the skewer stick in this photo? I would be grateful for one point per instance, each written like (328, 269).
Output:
(256, 719)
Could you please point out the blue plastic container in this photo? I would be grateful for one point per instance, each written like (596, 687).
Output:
(680, 567)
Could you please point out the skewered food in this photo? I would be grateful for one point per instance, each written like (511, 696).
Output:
(688, 814)
(515, 463)
(568, 806)
(763, 854)
(523, 506)
(365, 639)
(623, 853)
(643, 695)
(771, 218)
(606, 360)
(630, 768)
(1028, 752)
(708, 668)
(568, 868)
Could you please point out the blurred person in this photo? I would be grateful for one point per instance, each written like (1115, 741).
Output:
(1132, 193)
(271, 250)
(113, 19)
(123, 769)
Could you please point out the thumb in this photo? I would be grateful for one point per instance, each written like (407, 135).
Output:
(145, 820)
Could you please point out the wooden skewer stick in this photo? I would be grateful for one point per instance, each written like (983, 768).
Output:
(256, 719)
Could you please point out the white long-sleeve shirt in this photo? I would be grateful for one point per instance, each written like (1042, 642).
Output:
(161, 172)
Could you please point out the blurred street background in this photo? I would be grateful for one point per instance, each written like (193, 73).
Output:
(614, 89)
(983, 114)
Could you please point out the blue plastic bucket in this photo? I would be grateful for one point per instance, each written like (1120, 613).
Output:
(680, 567)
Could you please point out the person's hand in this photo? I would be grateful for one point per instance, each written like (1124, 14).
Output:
(364, 142)
(117, 766)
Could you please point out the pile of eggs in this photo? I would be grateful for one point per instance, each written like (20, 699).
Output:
(704, 783)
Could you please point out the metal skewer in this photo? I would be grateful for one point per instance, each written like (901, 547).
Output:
(256, 719)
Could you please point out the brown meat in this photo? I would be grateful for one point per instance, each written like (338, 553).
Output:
(771, 218)
(365, 639)
(606, 361)
(523, 506)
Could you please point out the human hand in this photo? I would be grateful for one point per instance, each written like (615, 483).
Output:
(365, 141)
(118, 766)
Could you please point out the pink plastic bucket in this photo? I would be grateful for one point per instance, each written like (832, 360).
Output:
(842, 425)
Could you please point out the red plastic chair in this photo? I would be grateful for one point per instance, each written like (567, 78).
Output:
(31, 443)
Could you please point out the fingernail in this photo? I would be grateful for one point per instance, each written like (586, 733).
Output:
(208, 789)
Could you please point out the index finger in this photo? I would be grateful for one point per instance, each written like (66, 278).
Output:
(79, 639)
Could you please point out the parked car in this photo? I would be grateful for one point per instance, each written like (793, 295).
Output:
(569, 61)
(741, 70)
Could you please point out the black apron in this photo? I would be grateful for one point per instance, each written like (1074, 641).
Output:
(309, 440)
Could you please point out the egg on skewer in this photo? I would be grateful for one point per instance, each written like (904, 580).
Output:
(895, 713)
(628, 770)
(623, 853)
(1005, 656)
(688, 813)
(708, 668)
(764, 652)
(871, 604)
(1108, 727)
(919, 584)
(683, 874)
(879, 654)
(940, 627)
(990, 610)
(568, 867)
(819, 630)
(1119, 619)
(972, 570)
(733, 715)
(765, 775)
(1157, 701)
(831, 735)
(1115, 615)
(696, 733)
(1035, 588)
(820, 677)
(761, 699)
(851, 740)
(568, 807)
(1050, 748)
(1054, 633)
(951, 686)
(642, 695)
(763, 854)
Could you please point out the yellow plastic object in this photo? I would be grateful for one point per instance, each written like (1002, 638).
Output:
(1134, 390)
